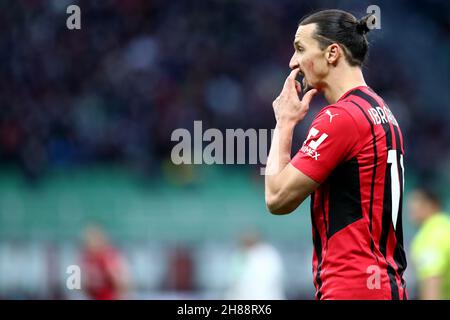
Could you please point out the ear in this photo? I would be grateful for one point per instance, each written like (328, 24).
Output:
(333, 53)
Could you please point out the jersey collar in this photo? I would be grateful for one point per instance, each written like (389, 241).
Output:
(347, 93)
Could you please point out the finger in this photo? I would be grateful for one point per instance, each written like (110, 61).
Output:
(308, 96)
(290, 80)
(294, 73)
(298, 87)
(275, 102)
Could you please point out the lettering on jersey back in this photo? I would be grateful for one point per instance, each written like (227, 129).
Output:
(382, 115)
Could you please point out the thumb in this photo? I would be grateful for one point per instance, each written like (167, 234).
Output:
(308, 96)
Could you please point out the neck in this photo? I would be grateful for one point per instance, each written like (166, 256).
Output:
(341, 81)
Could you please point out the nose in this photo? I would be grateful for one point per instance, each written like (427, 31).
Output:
(294, 62)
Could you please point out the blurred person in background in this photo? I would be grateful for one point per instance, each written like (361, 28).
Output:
(180, 276)
(256, 271)
(430, 248)
(104, 271)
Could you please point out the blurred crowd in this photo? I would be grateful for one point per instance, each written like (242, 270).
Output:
(114, 91)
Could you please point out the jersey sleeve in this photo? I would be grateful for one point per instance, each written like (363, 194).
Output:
(332, 139)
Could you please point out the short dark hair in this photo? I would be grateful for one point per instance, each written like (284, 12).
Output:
(337, 26)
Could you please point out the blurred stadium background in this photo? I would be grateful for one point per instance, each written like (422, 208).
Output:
(86, 118)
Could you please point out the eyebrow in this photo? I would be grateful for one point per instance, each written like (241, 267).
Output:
(297, 44)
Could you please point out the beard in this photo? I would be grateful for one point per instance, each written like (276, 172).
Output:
(305, 86)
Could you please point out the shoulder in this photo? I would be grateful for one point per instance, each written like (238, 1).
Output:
(336, 116)
(351, 116)
(267, 252)
(435, 232)
(439, 226)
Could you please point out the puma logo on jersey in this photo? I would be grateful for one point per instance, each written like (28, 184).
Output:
(328, 112)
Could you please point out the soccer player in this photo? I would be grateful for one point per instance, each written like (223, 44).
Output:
(351, 163)
(105, 275)
(430, 249)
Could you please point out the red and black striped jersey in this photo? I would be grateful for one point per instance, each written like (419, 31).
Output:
(354, 149)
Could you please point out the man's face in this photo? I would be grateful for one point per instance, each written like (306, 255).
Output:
(419, 207)
(309, 57)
